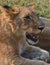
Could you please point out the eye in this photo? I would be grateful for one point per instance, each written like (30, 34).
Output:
(27, 17)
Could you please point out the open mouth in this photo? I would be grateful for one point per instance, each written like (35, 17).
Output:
(31, 38)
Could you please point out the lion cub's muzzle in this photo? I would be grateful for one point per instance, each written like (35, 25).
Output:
(32, 38)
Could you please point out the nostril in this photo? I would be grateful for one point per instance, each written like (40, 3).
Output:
(41, 27)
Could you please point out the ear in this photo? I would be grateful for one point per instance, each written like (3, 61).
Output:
(15, 10)
(31, 6)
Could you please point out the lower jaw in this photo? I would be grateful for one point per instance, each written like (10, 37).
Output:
(32, 42)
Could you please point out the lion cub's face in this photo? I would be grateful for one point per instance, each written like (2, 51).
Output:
(31, 24)
(23, 17)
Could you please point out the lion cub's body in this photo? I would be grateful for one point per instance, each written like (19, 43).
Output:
(12, 36)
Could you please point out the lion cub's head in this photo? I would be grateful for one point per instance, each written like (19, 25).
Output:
(30, 22)
(20, 18)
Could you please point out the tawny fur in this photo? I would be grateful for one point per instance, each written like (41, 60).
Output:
(12, 35)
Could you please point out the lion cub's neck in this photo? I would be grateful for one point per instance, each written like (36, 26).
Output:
(11, 46)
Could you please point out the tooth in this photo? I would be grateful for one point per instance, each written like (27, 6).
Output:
(33, 37)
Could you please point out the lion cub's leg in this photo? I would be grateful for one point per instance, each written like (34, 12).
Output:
(24, 61)
(36, 53)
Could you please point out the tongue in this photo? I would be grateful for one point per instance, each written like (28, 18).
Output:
(32, 37)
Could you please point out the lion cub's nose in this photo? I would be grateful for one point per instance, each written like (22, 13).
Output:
(41, 27)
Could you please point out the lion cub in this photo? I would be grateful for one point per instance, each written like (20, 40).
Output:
(17, 23)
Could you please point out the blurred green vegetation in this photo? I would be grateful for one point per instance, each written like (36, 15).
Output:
(42, 6)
